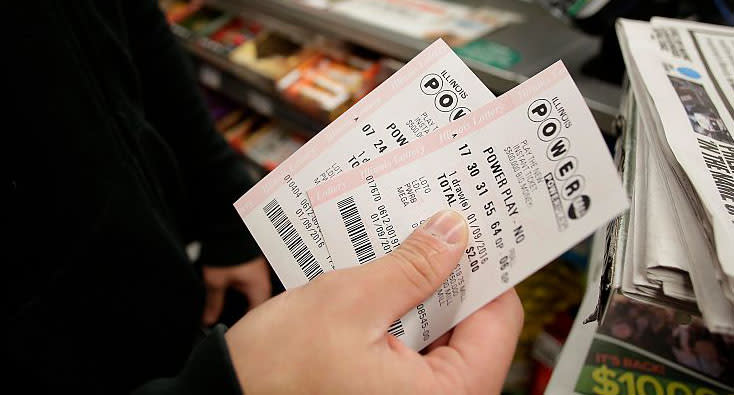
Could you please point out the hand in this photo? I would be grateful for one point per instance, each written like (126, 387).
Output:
(252, 278)
(330, 336)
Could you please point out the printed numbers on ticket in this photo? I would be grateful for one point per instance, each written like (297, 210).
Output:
(430, 91)
(529, 171)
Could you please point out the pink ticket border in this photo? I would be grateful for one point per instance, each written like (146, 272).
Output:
(419, 148)
(338, 128)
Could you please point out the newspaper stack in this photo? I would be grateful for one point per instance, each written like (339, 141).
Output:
(680, 234)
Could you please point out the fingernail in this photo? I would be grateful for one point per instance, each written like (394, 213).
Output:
(447, 225)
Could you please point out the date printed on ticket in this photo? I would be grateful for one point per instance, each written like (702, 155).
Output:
(529, 171)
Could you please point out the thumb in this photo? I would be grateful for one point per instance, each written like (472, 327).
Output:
(407, 276)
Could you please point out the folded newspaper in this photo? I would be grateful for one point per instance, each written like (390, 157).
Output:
(529, 171)
(678, 249)
(649, 337)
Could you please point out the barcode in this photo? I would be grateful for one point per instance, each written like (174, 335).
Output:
(355, 229)
(292, 240)
(396, 328)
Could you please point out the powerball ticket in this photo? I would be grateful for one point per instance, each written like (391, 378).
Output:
(530, 172)
(430, 91)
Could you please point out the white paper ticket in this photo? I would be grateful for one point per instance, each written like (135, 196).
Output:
(430, 91)
(529, 171)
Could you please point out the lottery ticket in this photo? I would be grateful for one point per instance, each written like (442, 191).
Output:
(529, 171)
(430, 91)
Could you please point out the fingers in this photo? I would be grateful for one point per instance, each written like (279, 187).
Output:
(213, 305)
(401, 280)
(482, 346)
(260, 287)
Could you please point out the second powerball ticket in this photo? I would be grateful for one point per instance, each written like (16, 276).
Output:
(530, 172)
(430, 91)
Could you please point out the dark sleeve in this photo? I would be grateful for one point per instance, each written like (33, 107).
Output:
(208, 371)
(214, 175)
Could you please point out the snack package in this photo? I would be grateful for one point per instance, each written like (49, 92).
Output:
(270, 54)
(231, 35)
(326, 86)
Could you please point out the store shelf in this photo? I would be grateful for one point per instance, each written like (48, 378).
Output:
(248, 88)
(540, 39)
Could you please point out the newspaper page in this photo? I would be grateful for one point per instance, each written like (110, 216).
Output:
(648, 77)
(658, 259)
(636, 241)
(698, 64)
(666, 263)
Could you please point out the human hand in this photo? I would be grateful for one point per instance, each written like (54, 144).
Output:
(330, 336)
(251, 278)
